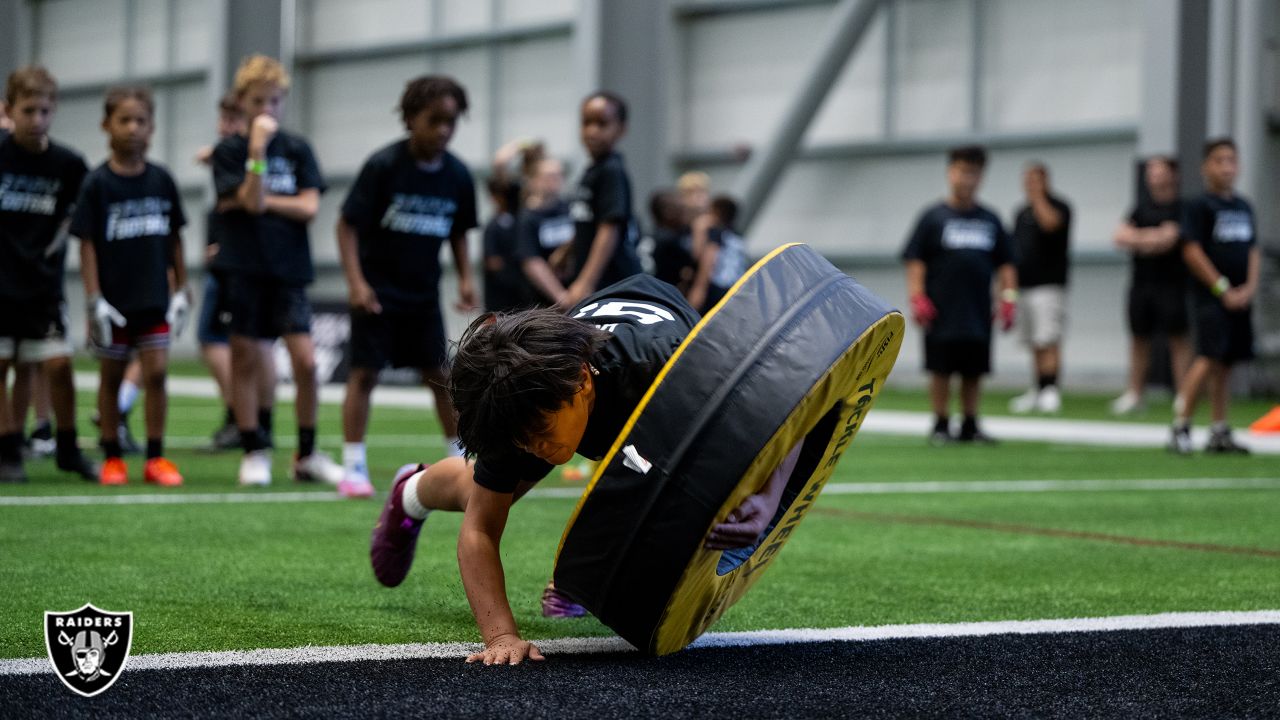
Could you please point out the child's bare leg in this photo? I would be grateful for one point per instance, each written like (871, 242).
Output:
(110, 375)
(302, 353)
(446, 485)
(940, 394)
(1189, 393)
(155, 365)
(1219, 374)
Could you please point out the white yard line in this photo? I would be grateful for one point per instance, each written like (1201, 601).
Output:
(581, 646)
(869, 488)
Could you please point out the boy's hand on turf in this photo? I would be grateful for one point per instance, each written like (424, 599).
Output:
(743, 526)
(507, 650)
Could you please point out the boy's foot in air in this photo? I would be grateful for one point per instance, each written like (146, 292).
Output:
(395, 536)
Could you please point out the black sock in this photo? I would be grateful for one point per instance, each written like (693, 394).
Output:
(970, 424)
(111, 449)
(251, 440)
(11, 447)
(264, 420)
(67, 443)
(942, 424)
(155, 448)
(43, 430)
(230, 419)
(306, 441)
(1048, 379)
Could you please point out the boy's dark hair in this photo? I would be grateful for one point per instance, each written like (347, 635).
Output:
(118, 94)
(27, 81)
(504, 192)
(1167, 160)
(421, 91)
(725, 209)
(665, 207)
(229, 103)
(1219, 142)
(614, 99)
(512, 370)
(972, 154)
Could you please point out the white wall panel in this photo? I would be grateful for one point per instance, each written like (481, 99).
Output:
(855, 108)
(536, 94)
(1054, 64)
(328, 24)
(78, 125)
(933, 41)
(324, 242)
(194, 125)
(193, 39)
(459, 16)
(522, 12)
(351, 109)
(472, 69)
(81, 40)
(150, 44)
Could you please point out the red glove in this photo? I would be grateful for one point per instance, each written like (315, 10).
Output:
(1008, 313)
(923, 311)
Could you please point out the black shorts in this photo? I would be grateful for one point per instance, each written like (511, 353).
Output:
(413, 339)
(1157, 309)
(1223, 335)
(214, 316)
(264, 308)
(967, 358)
(33, 319)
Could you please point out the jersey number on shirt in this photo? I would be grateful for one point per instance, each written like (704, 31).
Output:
(644, 312)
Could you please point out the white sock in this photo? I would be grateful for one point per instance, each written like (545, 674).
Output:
(453, 446)
(409, 498)
(127, 396)
(353, 458)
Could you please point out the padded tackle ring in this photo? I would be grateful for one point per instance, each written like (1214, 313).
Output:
(796, 349)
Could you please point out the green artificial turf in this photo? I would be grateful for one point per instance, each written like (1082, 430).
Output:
(223, 576)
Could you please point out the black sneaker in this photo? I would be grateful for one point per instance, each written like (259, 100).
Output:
(940, 437)
(969, 433)
(76, 462)
(227, 437)
(1180, 440)
(12, 472)
(40, 443)
(1221, 443)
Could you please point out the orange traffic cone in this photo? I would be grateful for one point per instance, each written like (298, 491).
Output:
(1269, 423)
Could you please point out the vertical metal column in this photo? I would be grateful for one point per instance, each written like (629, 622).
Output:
(1193, 90)
(10, 45)
(849, 22)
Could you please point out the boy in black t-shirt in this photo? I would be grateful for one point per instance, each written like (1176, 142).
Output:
(410, 198)
(268, 185)
(723, 258)
(1041, 233)
(531, 389)
(951, 257)
(504, 285)
(1157, 291)
(543, 228)
(39, 180)
(604, 243)
(128, 219)
(1220, 247)
(672, 244)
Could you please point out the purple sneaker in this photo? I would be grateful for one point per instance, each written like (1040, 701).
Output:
(396, 534)
(556, 604)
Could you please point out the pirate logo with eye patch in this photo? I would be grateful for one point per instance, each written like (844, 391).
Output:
(88, 648)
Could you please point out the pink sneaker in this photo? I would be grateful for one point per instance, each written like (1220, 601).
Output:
(395, 536)
(355, 486)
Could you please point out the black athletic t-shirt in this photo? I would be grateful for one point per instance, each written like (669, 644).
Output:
(131, 222)
(1042, 256)
(404, 211)
(672, 254)
(1167, 268)
(36, 194)
(1225, 228)
(961, 250)
(504, 289)
(647, 320)
(266, 244)
(542, 231)
(604, 196)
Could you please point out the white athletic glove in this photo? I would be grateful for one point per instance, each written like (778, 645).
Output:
(102, 316)
(178, 313)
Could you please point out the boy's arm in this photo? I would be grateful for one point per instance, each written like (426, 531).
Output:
(252, 193)
(1239, 297)
(706, 263)
(602, 246)
(481, 567)
(298, 208)
(360, 295)
(1201, 267)
(466, 289)
(89, 268)
(540, 274)
(178, 262)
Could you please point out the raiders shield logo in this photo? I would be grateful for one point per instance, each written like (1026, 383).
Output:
(88, 648)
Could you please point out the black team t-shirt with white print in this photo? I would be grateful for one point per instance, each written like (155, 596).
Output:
(269, 244)
(961, 250)
(403, 211)
(37, 191)
(131, 222)
(1165, 269)
(604, 196)
(1225, 229)
(1042, 256)
(647, 319)
(540, 232)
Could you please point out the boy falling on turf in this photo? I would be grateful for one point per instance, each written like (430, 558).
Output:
(410, 197)
(128, 219)
(268, 185)
(531, 389)
(1220, 247)
(39, 180)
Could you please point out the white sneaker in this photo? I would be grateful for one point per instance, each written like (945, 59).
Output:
(355, 485)
(1024, 403)
(1049, 400)
(1129, 402)
(318, 468)
(255, 469)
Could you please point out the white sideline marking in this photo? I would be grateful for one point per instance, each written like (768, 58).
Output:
(584, 646)
(573, 493)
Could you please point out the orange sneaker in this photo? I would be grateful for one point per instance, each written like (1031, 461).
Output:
(161, 472)
(113, 472)
(1268, 423)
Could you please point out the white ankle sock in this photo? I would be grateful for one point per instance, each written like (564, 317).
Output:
(353, 458)
(409, 498)
(453, 446)
(127, 396)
